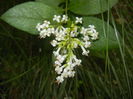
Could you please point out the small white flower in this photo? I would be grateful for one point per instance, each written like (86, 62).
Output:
(65, 73)
(56, 53)
(46, 24)
(70, 62)
(57, 63)
(43, 33)
(51, 30)
(67, 68)
(73, 65)
(38, 27)
(92, 28)
(59, 37)
(78, 20)
(48, 32)
(64, 18)
(59, 69)
(57, 18)
(83, 31)
(60, 33)
(61, 58)
(70, 66)
(78, 62)
(94, 36)
(87, 44)
(84, 51)
(54, 43)
(75, 45)
(60, 79)
(72, 34)
(86, 38)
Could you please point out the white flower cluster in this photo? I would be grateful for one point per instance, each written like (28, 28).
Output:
(67, 38)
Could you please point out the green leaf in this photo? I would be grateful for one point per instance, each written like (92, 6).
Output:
(51, 2)
(26, 16)
(90, 7)
(107, 38)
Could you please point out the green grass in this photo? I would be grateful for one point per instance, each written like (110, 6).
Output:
(27, 73)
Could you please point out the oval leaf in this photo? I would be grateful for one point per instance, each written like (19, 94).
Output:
(26, 16)
(107, 38)
(90, 7)
(51, 2)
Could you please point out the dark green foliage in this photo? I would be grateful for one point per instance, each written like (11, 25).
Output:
(90, 7)
(52, 2)
(26, 16)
